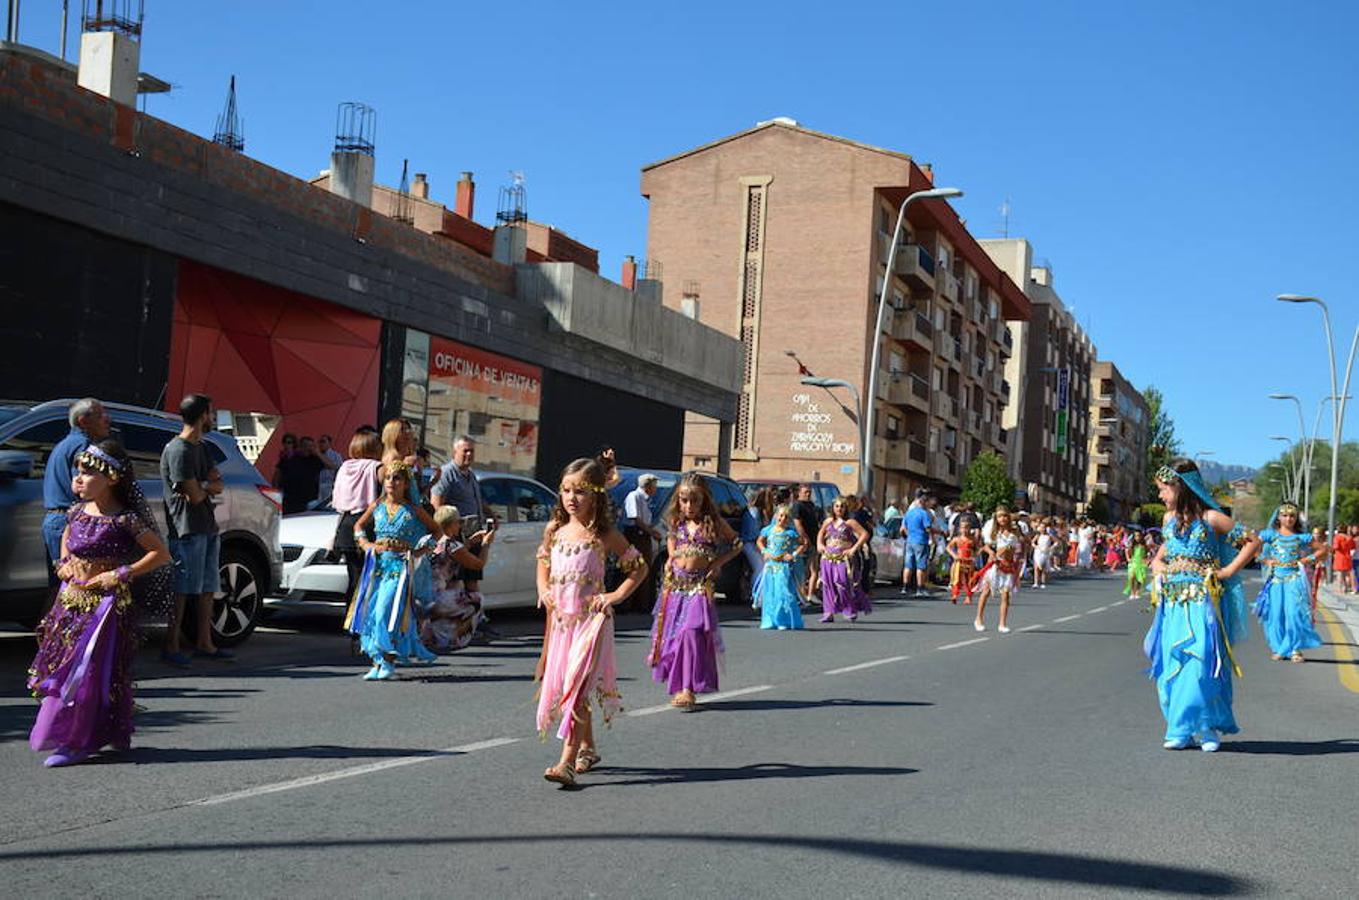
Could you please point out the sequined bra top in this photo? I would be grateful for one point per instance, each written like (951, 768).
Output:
(839, 534)
(398, 526)
(103, 537)
(780, 541)
(575, 574)
(1284, 551)
(693, 543)
(1197, 542)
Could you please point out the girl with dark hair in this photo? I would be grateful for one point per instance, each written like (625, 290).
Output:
(1200, 610)
(87, 641)
(685, 638)
(1284, 606)
(839, 540)
(578, 653)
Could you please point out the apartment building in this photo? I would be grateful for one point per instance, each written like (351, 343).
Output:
(1049, 424)
(1119, 420)
(780, 236)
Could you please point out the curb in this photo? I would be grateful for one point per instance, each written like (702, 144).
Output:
(1345, 608)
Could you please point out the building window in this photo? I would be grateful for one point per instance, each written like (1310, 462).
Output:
(893, 426)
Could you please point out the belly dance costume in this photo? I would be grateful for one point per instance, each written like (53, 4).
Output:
(382, 612)
(841, 586)
(686, 640)
(87, 641)
(1003, 572)
(777, 589)
(1197, 621)
(578, 653)
(1284, 606)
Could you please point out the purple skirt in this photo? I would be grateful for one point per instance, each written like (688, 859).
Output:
(686, 638)
(83, 676)
(842, 589)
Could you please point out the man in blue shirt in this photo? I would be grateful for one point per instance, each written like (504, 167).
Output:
(917, 526)
(89, 424)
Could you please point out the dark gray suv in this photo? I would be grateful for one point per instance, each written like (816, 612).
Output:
(248, 511)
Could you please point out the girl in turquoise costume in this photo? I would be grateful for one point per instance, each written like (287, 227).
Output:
(1200, 610)
(777, 588)
(382, 612)
(1284, 606)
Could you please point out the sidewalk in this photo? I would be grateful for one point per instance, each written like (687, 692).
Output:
(1345, 607)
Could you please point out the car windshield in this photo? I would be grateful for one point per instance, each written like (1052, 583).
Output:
(10, 413)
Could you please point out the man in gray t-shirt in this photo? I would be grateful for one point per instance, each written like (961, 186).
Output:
(183, 461)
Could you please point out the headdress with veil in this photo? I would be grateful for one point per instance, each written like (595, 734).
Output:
(152, 593)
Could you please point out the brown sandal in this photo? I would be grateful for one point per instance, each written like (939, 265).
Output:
(684, 701)
(1297, 658)
(561, 774)
(586, 760)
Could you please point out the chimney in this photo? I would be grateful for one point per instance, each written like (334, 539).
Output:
(420, 190)
(629, 279)
(928, 170)
(465, 195)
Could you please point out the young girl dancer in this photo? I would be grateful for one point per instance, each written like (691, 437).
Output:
(382, 611)
(1042, 555)
(1284, 606)
(838, 541)
(1137, 567)
(963, 551)
(578, 653)
(1200, 610)
(777, 592)
(87, 641)
(1006, 550)
(685, 638)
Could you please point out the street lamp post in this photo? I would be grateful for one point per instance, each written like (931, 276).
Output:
(1293, 463)
(865, 485)
(1338, 417)
(866, 478)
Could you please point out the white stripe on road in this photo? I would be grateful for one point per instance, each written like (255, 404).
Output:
(1032, 627)
(1096, 609)
(723, 695)
(865, 665)
(352, 772)
(1067, 618)
(962, 644)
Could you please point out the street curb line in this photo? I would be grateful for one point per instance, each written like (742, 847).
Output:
(1348, 669)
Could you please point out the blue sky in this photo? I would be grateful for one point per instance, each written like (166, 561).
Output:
(1178, 164)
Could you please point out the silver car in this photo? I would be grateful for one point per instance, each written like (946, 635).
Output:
(247, 512)
(314, 576)
(889, 551)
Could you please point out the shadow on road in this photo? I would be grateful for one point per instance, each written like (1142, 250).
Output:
(1074, 631)
(161, 755)
(1030, 865)
(755, 772)
(1292, 748)
(747, 705)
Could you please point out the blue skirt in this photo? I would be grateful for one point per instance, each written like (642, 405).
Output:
(778, 597)
(1191, 668)
(1284, 609)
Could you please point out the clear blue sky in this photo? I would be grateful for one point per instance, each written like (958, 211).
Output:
(1178, 163)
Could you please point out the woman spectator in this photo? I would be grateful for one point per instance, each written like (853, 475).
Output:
(358, 482)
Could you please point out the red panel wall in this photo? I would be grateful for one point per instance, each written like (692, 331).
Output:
(254, 347)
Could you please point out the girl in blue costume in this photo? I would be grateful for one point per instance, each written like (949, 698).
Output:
(1200, 610)
(382, 612)
(776, 591)
(1284, 606)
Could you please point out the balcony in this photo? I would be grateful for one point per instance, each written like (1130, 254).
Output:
(941, 467)
(919, 394)
(891, 453)
(913, 328)
(1007, 341)
(944, 407)
(972, 420)
(915, 266)
(917, 456)
(947, 286)
(978, 368)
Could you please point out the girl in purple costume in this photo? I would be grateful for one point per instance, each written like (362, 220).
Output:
(839, 541)
(685, 640)
(83, 671)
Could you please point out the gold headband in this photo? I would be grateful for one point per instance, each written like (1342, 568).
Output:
(1167, 475)
(97, 460)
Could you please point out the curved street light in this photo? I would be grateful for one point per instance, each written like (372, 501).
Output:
(868, 420)
(828, 383)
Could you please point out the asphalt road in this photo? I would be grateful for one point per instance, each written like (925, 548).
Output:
(906, 755)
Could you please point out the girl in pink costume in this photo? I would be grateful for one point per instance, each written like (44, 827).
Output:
(578, 654)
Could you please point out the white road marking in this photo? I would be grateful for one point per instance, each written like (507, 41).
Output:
(1032, 627)
(723, 695)
(1096, 609)
(351, 772)
(1067, 618)
(962, 644)
(865, 665)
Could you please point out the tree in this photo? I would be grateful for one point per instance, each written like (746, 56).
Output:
(1151, 515)
(985, 483)
(1162, 444)
(1098, 509)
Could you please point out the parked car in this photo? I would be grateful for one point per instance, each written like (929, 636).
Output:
(733, 583)
(247, 511)
(823, 492)
(314, 575)
(889, 551)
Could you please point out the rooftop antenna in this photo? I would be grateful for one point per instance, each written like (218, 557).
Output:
(230, 132)
(122, 16)
(355, 128)
(1005, 218)
(401, 209)
(513, 203)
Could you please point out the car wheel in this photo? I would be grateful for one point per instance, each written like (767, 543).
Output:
(238, 602)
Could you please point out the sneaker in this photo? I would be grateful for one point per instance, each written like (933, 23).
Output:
(373, 673)
(1004, 629)
(978, 626)
(1176, 743)
(1210, 741)
(65, 757)
(386, 672)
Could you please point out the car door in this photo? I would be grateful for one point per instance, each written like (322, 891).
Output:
(23, 555)
(504, 570)
(533, 506)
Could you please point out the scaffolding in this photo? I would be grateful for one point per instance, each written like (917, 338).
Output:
(230, 130)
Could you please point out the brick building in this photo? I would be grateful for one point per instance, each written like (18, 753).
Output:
(1119, 420)
(779, 236)
(142, 261)
(1049, 423)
